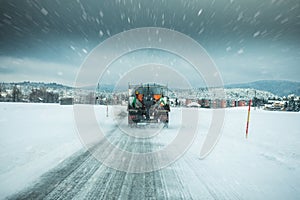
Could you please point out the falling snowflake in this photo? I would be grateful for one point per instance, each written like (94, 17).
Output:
(101, 33)
(257, 14)
(277, 17)
(44, 11)
(201, 31)
(256, 34)
(240, 16)
(84, 51)
(200, 11)
(284, 20)
(101, 14)
(241, 51)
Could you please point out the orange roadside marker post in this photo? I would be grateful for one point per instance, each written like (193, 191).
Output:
(248, 118)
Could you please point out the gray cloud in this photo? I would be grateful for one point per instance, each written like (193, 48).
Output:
(254, 37)
(16, 69)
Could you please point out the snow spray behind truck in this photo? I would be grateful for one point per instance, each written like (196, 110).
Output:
(148, 103)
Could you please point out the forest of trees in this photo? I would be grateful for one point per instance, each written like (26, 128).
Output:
(36, 95)
(42, 95)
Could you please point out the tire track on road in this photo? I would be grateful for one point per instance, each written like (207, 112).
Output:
(83, 177)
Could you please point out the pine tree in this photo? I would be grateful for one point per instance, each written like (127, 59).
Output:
(16, 94)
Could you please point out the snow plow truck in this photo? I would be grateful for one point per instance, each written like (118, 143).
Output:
(148, 103)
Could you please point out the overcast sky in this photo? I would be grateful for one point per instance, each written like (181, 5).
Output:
(248, 40)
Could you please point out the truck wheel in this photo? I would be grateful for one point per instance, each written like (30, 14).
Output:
(166, 125)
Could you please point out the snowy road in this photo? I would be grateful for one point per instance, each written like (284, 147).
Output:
(265, 166)
(82, 176)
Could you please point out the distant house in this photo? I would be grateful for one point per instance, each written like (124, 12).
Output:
(232, 103)
(275, 105)
(194, 105)
(242, 103)
(66, 101)
(205, 103)
(188, 101)
(223, 103)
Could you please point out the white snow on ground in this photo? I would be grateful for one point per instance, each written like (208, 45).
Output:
(36, 137)
(33, 139)
(264, 166)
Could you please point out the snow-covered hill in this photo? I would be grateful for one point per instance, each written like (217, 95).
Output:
(231, 93)
(277, 87)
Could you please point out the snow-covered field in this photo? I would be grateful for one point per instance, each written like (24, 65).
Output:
(35, 138)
